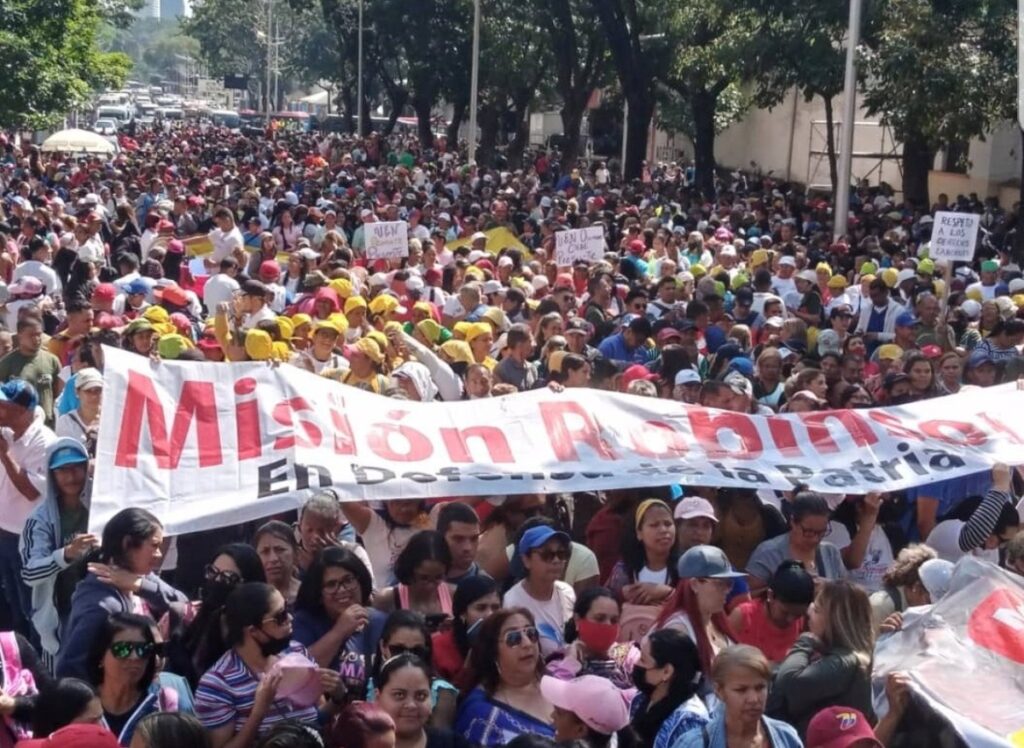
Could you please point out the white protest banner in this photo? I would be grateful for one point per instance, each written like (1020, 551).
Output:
(579, 244)
(954, 236)
(386, 240)
(207, 444)
(964, 656)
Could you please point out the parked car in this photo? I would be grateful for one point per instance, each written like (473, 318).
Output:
(105, 127)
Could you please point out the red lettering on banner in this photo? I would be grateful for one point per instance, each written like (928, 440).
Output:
(305, 433)
(197, 402)
(821, 438)
(893, 425)
(707, 425)
(247, 420)
(783, 436)
(963, 434)
(379, 436)
(1001, 428)
(344, 439)
(456, 441)
(564, 439)
(669, 440)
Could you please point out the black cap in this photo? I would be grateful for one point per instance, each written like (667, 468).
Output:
(893, 378)
(744, 296)
(253, 288)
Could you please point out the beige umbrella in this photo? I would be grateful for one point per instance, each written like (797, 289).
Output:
(77, 141)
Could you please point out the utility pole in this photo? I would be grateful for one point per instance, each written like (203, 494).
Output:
(270, 52)
(841, 212)
(359, 75)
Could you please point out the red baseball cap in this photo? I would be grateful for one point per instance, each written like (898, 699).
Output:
(564, 280)
(270, 270)
(839, 727)
(637, 247)
(104, 292)
(634, 373)
(75, 736)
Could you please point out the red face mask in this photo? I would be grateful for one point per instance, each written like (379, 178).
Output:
(597, 637)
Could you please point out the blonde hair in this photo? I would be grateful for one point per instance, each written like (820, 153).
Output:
(740, 656)
(741, 333)
(848, 623)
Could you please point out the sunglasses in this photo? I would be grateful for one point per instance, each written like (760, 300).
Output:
(281, 617)
(124, 650)
(514, 638)
(549, 556)
(399, 649)
(213, 574)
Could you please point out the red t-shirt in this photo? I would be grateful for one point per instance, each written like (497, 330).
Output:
(758, 631)
(604, 538)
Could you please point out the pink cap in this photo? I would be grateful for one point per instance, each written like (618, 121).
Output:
(600, 704)
(300, 679)
(690, 507)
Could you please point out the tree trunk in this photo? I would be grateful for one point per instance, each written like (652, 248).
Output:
(572, 122)
(459, 107)
(490, 124)
(703, 105)
(398, 99)
(347, 107)
(518, 144)
(830, 143)
(918, 159)
(641, 109)
(423, 107)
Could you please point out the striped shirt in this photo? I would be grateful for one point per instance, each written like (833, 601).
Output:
(228, 689)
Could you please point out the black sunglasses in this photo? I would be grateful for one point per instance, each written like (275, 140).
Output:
(214, 574)
(281, 617)
(124, 650)
(514, 638)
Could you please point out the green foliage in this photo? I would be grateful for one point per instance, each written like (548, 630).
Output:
(674, 114)
(231, 34)
(51, 59)
(942, 71)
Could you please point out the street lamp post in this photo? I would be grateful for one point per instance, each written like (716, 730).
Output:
(359, 75)
(473, 79)
(841, 212)
(270, 51)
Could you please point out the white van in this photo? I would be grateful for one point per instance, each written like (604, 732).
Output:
(122, 114)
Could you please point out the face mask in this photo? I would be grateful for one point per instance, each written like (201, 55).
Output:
(640, 680)
(597, 637)
(275, 646)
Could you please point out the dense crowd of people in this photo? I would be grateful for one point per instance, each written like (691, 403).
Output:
(656, 618)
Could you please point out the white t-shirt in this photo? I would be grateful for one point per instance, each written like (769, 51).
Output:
(28, 453)
(43, 273)
(251, 320)
(383, 544)
(220, 287)
(945, 539)
(652, 577)
(877, 558)
(550, 616)
(224, 244)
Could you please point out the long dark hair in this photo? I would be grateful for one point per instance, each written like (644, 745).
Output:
(484, 654)
(310, 595)
(129, 528)
(59, 704)
(670, 647)
(114, 625)
(468, 592)
(401, 619)
(173, 729)
(634, 555)
(583, 604)
(426, 545)
(247, 605)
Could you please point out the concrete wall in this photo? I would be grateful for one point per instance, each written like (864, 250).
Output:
(782, 139)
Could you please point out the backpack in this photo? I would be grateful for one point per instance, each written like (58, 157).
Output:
(17, 682)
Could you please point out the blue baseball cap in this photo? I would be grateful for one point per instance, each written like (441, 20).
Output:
(535, 537)
(906, 319)
(136, 286)
(19, 392)
(743, 365)
(67, 456)
(706, 562)
(978, 358)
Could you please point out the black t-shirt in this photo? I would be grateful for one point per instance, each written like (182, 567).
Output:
(116, 722)
(438, 738)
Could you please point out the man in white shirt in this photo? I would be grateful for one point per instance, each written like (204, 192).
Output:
(38, 266)
(226, 239)
(222, 286)
(783, 283)
(255, 304)
(24, 440)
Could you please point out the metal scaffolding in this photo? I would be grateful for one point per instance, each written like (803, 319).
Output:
(867, 165)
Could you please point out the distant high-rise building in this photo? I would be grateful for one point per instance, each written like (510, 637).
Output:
(171, 9)
(150, 9)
